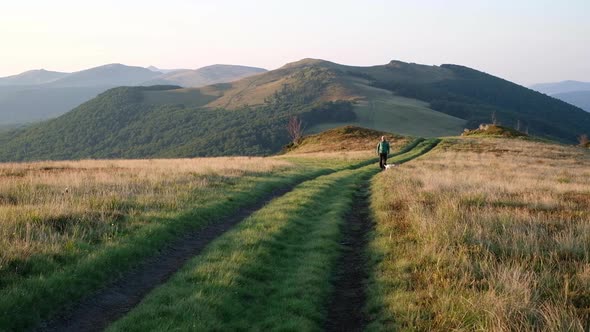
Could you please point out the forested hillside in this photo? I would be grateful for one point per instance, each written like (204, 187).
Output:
(479, 98)
(120, 124)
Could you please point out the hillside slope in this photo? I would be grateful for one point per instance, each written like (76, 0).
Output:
(32, 77)
(561, 87)
(26, 104)
(108, 75)
(580, 99)
(119, 124)
(249, 116)
(312, 81)
(479, 97)
(346, 138)
(205, 76)
(437, 100)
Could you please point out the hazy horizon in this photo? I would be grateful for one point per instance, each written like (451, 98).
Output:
(528, 42)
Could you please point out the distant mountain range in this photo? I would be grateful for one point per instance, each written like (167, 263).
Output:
(249, 116)
(577, 98)
(32, 77)
(572, 92)
(203, 76)
(561, 87)
(40, 94)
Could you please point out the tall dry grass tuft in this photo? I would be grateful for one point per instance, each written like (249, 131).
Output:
(49, 210)
(484, 234)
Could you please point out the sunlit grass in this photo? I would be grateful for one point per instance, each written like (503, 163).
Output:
(66, 228)
(271, 272)
(483, 234)
(46, 207)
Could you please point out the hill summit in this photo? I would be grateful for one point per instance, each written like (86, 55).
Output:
(345, 138)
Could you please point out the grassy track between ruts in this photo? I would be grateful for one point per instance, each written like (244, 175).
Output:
(271, 272)
(29, 299)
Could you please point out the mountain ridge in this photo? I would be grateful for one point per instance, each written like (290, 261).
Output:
(21, 101)
(249, 116)
(213, 74)
(580, 99)
(552, 88)
(576, 93)
(32, 77)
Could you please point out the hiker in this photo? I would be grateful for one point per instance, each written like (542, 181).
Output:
(383, 151)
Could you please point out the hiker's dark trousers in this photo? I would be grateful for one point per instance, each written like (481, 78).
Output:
(382, 160)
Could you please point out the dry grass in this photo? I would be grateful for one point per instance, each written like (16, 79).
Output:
(484, 234)
(51, 209)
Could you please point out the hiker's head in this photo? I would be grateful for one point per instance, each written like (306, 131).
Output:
(382, 138)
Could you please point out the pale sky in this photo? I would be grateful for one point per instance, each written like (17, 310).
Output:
(525, 41)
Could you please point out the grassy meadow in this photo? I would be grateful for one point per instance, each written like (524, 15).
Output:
(48, 207)
(382, 110)
(470, 234)
(68, 227)
(483, 234)
(270, 273)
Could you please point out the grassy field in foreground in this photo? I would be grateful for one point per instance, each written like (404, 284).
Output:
(483, 234)
(66, 228)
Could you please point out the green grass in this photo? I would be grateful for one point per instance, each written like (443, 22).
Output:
(483, 234)
(56, 280)
(188, 97)
(271, 272)
(385, 111)
(31, 298)
(414, 149)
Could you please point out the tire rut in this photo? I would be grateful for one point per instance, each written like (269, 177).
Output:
(346, 309)
(97, 311)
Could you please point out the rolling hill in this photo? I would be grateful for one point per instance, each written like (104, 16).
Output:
(248, 116)
(346, 138)
(32, 103)
(39, 94)
(32, 77)
(204, 76)
(572, 92)
(403, 97)
(580, 99)
(114, 74)
(561, 87)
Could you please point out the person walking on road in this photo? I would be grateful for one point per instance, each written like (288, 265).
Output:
(383, 151)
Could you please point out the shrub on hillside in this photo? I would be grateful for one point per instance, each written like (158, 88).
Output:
(493, 130)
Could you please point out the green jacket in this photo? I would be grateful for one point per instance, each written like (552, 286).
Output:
(383, 147)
